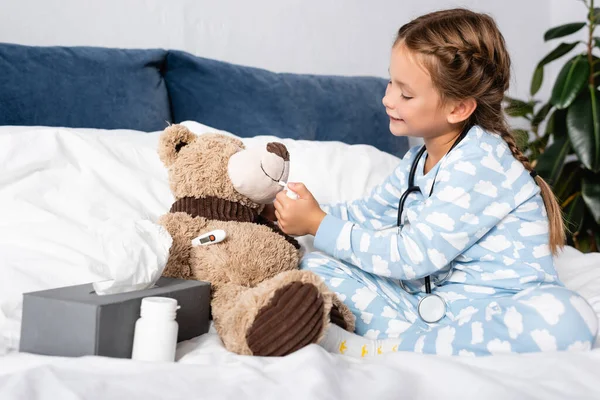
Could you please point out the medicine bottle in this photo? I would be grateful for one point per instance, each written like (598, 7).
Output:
(155, 337)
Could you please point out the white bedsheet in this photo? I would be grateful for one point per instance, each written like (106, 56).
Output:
(55, 184)
(207, 371)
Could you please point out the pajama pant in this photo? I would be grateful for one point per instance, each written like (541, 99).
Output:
(539, 318)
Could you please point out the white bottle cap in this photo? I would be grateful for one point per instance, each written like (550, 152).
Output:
(159, 307)
(289, 193)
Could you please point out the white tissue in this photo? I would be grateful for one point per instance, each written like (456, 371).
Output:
(133, 255)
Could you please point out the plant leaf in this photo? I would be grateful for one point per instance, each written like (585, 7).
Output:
(583, 128)
(536, 81)
(521, 138)
(586, 239)
(557, 123)
(590, 191)
(584, 242)
(597, 41)
(550, 164)
(541, 114)
(538, 74)
(558, 52)
(570, 81)
(537, 147)
(518, 108)
(563, 30)
(569, 181)
(573, 215)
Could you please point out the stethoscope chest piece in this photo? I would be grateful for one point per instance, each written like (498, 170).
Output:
(431, 308)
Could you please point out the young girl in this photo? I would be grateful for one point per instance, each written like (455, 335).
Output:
(483, 225)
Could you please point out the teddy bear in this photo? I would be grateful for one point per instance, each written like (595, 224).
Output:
(261, 303)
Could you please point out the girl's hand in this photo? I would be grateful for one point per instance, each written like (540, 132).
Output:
(301, 216)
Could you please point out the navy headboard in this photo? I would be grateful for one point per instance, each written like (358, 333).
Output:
(93, 87)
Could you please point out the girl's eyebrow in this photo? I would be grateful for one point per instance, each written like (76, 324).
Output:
(400, 83)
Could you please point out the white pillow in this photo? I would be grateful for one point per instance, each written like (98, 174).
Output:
(332, 171)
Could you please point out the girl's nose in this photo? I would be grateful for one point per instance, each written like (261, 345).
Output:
(386, 101)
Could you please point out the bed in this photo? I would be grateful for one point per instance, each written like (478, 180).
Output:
(78, 135)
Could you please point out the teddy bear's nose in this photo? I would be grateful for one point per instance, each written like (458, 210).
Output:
(279, 149)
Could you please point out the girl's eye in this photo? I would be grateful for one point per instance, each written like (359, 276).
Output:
(406, 97)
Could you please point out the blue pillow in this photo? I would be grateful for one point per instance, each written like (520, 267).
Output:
(83, 87)
(250, 101)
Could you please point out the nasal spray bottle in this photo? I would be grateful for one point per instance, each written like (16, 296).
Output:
(291, 194)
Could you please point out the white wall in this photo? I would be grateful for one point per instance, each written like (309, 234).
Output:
(349, 37)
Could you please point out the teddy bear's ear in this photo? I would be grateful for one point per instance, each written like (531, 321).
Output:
(172, 140)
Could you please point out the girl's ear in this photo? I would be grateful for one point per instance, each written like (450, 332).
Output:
(461, 110)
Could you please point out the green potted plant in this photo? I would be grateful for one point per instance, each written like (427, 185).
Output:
(563, 139)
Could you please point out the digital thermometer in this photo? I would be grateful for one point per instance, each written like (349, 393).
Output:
(211, 237)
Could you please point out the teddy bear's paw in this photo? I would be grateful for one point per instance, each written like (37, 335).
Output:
(341, 315)
(294, 318)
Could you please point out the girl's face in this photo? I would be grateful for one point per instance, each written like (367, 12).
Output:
(412, 103)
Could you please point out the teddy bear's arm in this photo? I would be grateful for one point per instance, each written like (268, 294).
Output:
(182, 229)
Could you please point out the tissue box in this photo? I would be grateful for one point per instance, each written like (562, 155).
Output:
(74, 321)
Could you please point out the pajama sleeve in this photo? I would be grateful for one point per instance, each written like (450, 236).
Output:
(473, 197)
(378, 210)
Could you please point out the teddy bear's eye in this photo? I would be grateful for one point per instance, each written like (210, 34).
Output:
(179, 145)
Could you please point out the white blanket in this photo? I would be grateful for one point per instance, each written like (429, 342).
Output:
(57, 183)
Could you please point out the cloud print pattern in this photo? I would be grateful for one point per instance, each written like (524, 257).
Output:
(482, 235)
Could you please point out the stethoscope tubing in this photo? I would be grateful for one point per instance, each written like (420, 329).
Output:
(413, 189)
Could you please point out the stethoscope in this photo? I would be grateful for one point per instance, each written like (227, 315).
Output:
(431, 307)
